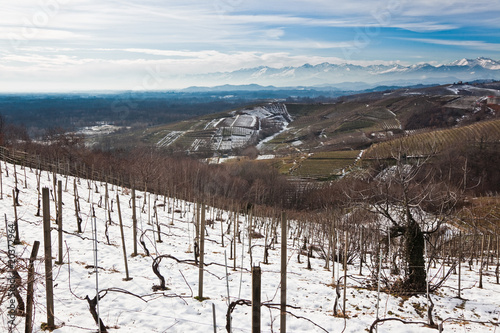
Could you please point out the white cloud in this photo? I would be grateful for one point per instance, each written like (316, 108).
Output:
(480, 45)
(47, 68)
(196, 24)
(450, 8)
(274, 33)
(115, 42)
(425, 26)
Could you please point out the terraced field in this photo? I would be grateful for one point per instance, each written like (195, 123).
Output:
(322, 165)
(431, 142)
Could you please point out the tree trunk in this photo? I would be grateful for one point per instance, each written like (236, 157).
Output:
(414, 243)
(92, 308)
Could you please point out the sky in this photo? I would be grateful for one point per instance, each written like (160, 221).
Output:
(71, 45)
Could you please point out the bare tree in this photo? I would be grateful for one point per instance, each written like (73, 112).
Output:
(407, 195)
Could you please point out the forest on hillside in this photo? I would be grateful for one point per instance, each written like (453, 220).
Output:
(37, 113)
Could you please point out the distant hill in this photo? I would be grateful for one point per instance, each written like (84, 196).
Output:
(307, 132)
(322, 140)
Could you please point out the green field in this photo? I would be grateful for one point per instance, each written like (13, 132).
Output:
(355, 125)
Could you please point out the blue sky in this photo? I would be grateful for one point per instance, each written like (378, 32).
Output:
(59, 45)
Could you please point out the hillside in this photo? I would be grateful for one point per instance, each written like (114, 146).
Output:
(324, 140)
(435, 142)
(167, 240)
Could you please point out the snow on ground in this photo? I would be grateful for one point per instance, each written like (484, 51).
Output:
(271, 137)
(262, 142)
(248, 121)
(170, 138)
(266, 157)
(213, 123)
(133, 306)
(454, 90)
(98, 130)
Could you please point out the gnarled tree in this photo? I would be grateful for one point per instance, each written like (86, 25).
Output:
(404, 191)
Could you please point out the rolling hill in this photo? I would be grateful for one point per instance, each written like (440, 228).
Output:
(324, 140)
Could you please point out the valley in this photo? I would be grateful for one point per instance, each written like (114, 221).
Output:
(324, 140)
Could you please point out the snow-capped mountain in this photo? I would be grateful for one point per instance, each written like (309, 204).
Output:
(334, 74)
(481, 62)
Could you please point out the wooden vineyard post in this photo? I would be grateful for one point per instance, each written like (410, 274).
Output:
(127, 278)
(481, 264)
(31, 280)
(76, 200)
(15, 177)
(256, 286)
(460, 264)
(345, 274)
(235, 229)
(38, 174)
(202, 253)
(379, 273)
(173, 211)
(334, 250)
(283, 273)
(59, 222)
(488, 252)
(221, 232)
(149, 206)
(196, 241)
(157, 225)
(134, 223)
(48, 258)
(67, 176)
(329, 248)
(16, 225)
(25, 177)
(498, 261)
(197, 221)
(106, 203)
(250, 234)
(214, 318)
(54, 190)
(361, 243)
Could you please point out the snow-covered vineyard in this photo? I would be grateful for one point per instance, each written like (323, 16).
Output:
(140, 304)
(239, 129)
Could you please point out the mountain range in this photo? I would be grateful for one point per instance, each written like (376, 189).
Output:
(346, 76)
